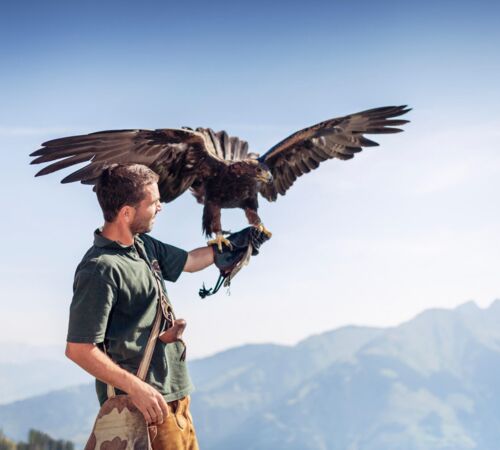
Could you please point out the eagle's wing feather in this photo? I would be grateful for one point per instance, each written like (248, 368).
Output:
(340, 138)
(228, 148)
(178, 156)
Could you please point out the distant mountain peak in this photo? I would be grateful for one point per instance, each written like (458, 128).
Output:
(495, 305)
(469, 306)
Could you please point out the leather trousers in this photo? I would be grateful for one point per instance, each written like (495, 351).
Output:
(177, 430)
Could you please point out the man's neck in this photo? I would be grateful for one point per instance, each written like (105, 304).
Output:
(117, 232)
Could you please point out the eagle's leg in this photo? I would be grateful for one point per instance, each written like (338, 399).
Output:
(211, 224)
(254, 219)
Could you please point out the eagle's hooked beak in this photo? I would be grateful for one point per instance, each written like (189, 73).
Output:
(265, 177)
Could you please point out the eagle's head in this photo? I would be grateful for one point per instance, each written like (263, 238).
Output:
(259, 171)
(251, 168)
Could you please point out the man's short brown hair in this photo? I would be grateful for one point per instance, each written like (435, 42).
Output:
(120, 185)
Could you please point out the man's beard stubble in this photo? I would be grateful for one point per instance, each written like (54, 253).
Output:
(141, 226)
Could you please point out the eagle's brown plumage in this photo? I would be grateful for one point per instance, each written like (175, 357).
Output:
(217, 168)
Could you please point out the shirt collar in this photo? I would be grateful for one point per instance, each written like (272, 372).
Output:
(101, 241)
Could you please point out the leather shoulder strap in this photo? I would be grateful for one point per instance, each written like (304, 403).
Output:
(155, 329)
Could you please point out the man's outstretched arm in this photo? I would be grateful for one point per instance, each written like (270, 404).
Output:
(199, 258)
(147, 399)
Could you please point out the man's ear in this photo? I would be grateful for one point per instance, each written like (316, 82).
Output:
(126, 214)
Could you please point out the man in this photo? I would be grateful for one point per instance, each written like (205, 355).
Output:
(115, 302)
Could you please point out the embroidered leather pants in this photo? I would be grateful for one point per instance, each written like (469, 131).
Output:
(177, 430)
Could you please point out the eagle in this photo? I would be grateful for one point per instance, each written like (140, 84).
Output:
(217, 168)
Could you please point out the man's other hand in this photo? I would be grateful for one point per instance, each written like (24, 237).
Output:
(149, 402)
(227, 260)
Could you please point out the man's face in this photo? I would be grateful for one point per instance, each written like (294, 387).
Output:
(146, 211)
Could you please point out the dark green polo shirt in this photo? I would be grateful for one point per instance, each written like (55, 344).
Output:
(114, 303)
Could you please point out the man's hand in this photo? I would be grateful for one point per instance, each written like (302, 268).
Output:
(232, 258)
(202, 257)
(149, 402)
(227, 260)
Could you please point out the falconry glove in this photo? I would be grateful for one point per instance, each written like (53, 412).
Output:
(231, 259)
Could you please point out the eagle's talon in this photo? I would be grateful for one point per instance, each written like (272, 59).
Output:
(219, 240)
(264, 230)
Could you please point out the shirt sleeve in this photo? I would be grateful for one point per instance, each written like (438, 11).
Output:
(171, 259)
(93, 298)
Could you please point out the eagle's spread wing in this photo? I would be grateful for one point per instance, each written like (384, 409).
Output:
(178, 156)
(340, 138)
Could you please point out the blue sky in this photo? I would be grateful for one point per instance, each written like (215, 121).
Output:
(407, 226)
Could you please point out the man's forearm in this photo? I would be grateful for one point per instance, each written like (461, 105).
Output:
(198, 259)
(94, 361)
(147, 399)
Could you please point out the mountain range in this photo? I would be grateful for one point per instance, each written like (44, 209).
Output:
(429, 383)
(21, 378)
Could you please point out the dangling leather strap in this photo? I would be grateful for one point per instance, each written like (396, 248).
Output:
(166, 306)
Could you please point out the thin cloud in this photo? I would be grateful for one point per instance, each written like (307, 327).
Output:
(460, 155)
(444, 178)
(16, 131)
